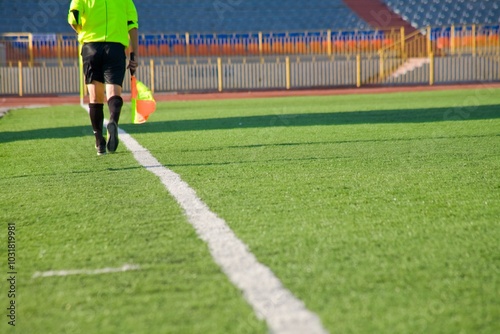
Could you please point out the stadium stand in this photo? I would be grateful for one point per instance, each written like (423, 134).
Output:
(446, 12)
(208, 28)
(378, 15)
(194, 16)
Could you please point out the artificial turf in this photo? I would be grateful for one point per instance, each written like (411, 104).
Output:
(380, 212)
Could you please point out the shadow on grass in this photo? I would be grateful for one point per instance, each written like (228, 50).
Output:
(314, 119)
(58, 174)
(277, 120)
(312, 143)
(48, 133)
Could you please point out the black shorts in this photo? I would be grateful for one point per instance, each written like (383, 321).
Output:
(104, 62)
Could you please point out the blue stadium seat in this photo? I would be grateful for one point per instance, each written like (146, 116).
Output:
(446, 12)
(171, 16)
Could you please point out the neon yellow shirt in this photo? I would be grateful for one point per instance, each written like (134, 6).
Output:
(103, 20)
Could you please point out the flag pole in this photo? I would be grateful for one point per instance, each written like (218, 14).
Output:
(80, 76)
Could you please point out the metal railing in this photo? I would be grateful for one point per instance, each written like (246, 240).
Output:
(47, 64)
(266, 73)
(58, 49)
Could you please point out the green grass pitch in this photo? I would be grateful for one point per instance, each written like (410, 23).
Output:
(380, 212)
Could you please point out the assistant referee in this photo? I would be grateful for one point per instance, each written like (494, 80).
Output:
(104, 28)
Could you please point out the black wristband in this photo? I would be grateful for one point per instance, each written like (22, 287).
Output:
(132, 56)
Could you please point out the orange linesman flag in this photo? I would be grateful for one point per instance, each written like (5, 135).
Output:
(143, 103)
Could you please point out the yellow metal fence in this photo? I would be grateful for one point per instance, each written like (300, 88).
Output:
(257, 73)
(48, 64)
(33, 50)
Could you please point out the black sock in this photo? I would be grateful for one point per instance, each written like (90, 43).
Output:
(115, 104)
(96, 112)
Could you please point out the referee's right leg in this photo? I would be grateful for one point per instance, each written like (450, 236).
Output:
(94, 78)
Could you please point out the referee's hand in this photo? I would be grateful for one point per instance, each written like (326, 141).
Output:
(133, 64)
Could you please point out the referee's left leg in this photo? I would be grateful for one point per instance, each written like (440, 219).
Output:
(115, 104)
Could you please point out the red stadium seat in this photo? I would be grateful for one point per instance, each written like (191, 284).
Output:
(164, 50)
(253, 49)
(443, 42)
(202, 50)
(143, 50)
(301, 48)
(266, 48)
(239, 49)
(152, 50)
(179, 50)
(316, 47)
(289, 48)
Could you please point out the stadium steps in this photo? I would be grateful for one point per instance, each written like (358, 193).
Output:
(410, 65)
(378, 15)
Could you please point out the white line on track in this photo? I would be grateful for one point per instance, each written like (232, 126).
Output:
(283, 312)
(52, 273)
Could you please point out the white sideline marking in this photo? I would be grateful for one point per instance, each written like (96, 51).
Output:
(52, 273)
(282, 311)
